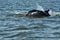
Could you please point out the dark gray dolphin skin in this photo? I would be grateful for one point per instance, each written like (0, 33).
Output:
(38, 13)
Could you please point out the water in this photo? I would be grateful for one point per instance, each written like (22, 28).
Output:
(14, 25)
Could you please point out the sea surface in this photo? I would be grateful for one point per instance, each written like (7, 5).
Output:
(14, 25)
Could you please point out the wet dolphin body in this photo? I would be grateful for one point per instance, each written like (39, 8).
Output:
(38, 13)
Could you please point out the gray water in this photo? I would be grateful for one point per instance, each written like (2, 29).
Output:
(14, 25)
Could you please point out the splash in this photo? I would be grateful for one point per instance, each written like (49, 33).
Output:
(57, 13)
(52, 13)
(39, 7)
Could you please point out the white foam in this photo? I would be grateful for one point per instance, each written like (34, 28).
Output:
(57, 13)
(52, 13)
